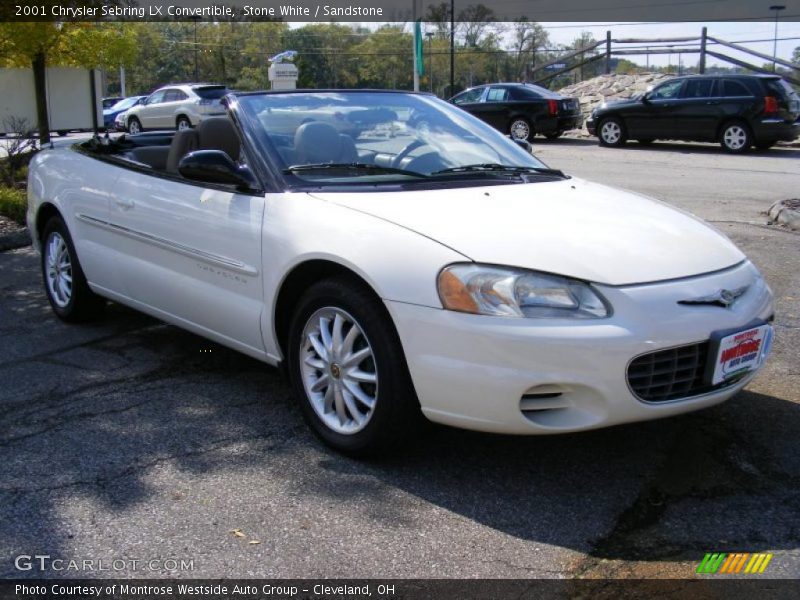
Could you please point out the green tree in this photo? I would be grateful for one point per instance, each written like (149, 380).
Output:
(796, 56)
(41, 44)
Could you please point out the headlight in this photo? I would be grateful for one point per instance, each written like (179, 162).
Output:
(505, 292)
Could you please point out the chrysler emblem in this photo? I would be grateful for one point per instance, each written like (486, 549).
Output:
(723, 298)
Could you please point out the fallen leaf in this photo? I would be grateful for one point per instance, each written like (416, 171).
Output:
(254, 542)
(237, 533)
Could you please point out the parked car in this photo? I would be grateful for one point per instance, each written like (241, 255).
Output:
(738, 111)
(110, 101)
(176, 107)
(441, 269)
(110, 114)
(521, 110)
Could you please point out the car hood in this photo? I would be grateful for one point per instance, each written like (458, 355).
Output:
(620, 103)
(570, 227)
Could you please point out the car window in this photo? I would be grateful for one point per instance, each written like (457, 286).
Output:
(375, 137)
(497, 95)
(469, 96)
(520, 93)
(666, 91)
(779, 88)
(174, 96)
(732, 88)
(156, 97)
(698, 88)
(210, 92)
(125, 103)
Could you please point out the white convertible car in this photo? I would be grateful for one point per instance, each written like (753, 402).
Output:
(399, 256)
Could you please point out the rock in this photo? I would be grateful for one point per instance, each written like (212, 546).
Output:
(605, 88)
(786, 213)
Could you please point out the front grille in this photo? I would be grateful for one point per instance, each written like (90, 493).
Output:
(670, 374)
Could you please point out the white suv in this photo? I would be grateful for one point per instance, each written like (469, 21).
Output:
(176, 107)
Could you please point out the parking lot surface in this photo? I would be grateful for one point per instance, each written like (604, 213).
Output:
(130, 439)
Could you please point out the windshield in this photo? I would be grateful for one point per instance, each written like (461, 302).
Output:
(126, 103)
(380, 137)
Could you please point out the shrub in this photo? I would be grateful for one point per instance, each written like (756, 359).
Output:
(13, 204)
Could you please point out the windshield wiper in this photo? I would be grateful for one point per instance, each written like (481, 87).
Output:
(354, 166)
(498, 168)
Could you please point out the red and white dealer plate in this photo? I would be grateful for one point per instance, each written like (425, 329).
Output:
(741, 352)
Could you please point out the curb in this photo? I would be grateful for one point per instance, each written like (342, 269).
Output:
(15, 239)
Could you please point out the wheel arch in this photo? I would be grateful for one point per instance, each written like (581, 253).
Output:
(299, 279)
(45, 212)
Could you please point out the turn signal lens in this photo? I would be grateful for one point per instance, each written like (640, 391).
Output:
(454, 294)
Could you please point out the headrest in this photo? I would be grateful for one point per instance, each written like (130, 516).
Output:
(317, 142)
(218, 133)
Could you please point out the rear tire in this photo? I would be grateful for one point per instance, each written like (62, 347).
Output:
(735, 137)
(64, 282)
(134, 126)
(348, 371)
(182, 123)
(611, 132)
(521, 129)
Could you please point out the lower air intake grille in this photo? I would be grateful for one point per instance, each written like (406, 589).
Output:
(670, 374)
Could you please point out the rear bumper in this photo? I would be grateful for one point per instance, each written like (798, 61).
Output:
(767, 130)
(591, 126)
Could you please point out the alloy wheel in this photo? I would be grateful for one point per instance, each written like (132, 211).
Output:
(520, 130)
(338, 370)
(134, 128)
(58, 270)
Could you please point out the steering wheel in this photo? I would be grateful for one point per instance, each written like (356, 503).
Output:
(405, 152)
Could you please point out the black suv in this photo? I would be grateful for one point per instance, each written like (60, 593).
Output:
(738, 111)
(521, 109)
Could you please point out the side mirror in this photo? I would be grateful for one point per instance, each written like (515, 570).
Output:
(215, 166)
(524, 144)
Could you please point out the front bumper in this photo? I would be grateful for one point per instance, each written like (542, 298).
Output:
(591, 125)
(535, 376)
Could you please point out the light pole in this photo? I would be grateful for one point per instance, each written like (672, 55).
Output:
(452, 48)
(429, 35)
(196, 78)
(777, 8)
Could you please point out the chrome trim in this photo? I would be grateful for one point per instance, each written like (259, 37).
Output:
(214, 259)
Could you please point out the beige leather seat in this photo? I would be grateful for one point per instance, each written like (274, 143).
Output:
(216, 133)
(317, 142)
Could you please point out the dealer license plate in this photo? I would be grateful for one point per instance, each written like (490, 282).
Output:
(740, 352)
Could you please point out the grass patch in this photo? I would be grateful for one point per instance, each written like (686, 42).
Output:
(13, 204)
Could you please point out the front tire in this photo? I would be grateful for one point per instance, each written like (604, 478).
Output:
(348, 371)
(735, 137)
(64, 282)
(611, 133)
(521, 129)
(134, 126)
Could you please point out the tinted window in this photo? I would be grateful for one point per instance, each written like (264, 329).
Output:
(698, 88)
(211, 92)
(497, 95)
(156, 97)
(541, 92)
(666, 91)
(732, 88)
(469, 96)
(174, 96)
(779, 88)
(521, 93)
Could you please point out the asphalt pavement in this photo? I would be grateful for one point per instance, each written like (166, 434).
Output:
(131, 440)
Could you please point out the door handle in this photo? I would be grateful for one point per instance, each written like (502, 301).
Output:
(125, 203)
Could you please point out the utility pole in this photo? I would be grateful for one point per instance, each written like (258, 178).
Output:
(429, 35)
(452, 48)
(703, 43)
(196, 77)
(415, 14)
(777, 8)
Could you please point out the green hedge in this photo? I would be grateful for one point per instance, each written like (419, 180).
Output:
(13, 204)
